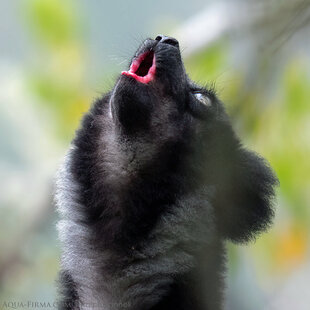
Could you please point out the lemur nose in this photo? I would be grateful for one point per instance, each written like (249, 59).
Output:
(167, 40)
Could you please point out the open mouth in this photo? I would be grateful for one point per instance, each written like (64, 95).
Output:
(143, 68)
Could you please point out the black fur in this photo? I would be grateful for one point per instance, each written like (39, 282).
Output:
(140, 150)
(68, 293)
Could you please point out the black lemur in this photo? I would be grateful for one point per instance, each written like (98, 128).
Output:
(155, 181)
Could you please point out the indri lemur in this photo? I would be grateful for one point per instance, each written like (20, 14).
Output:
(155, 181)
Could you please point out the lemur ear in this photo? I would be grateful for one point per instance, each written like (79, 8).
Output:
(243, 200)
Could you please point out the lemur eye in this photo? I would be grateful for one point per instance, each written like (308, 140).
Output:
(203, 99)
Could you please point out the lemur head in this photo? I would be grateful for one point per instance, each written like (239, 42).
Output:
(180, 134)
(155, 96)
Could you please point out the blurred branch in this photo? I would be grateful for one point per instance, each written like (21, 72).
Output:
(276, 21)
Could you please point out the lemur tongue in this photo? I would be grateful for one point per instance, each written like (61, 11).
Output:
(143, 68)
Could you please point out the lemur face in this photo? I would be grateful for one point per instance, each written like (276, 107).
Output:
(156, 91)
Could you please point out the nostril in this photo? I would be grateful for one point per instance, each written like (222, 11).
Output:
(158, 38)
(167, 40)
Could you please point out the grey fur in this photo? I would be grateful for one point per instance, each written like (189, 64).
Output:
(172, 248)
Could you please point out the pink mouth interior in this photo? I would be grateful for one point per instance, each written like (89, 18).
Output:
(143, 68)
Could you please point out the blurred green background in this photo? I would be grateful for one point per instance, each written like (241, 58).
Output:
(58, 55)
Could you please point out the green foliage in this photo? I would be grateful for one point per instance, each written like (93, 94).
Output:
(57, 79)
(284, 135)
(207, 65)
(52, 21)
